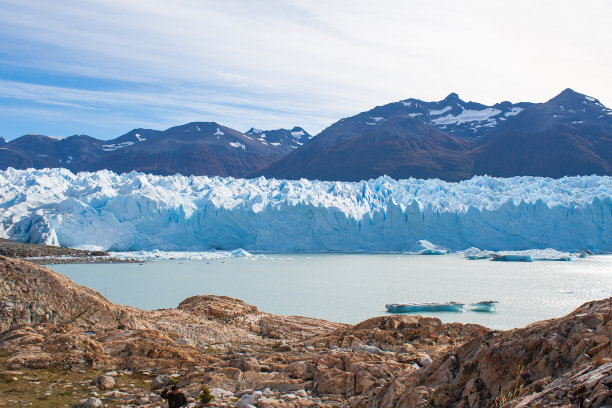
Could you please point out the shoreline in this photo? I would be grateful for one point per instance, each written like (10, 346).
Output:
(53, 255)
(56, 255)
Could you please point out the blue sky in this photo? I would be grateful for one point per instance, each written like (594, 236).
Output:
(105, 67)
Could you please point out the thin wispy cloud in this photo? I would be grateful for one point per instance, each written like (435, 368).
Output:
(283, 63)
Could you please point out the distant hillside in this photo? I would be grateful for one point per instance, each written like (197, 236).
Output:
(199, 148)
(453, 140)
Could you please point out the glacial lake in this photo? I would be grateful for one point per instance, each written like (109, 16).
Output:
(353, 287)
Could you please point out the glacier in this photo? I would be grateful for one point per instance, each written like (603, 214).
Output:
(141, 212)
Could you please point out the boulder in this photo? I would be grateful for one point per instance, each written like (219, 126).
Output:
(245, 364)
(160, 382)
(105, 382)
(90, 402)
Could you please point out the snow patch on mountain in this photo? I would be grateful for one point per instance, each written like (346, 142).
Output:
(514, 111)
(434, 112)
(468, 115)
(238, 145)
(116, 146)
(136, 211)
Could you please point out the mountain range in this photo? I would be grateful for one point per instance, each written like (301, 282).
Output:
(197, 148)
(451, 139)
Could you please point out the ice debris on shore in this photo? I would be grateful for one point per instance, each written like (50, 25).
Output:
(530, 255)
(135, 211)
(157, 255)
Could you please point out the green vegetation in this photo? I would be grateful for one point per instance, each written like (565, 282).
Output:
(206, 396)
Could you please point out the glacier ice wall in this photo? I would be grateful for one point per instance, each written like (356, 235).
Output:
(137, 211)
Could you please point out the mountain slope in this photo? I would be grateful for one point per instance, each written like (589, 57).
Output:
(569, 135)
(198, 148)
(354, 149)
(452, 140)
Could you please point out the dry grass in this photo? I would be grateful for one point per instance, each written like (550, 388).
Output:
(43, 388)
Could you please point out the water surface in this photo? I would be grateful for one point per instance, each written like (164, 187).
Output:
(353, 287)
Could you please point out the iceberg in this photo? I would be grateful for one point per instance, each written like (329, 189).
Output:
(531, 255)
(511, 257)
(475, 253)
(487, 306)
(240, 253)
(423, 247)
(142, 212)
(424, 307)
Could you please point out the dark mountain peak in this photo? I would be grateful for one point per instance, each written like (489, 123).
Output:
(299, 133)
(452, 97)
(570, 91)
(3, 140)
(574, 107)
(284, 139)
(568, 97)
(193, 128)
(254, 131)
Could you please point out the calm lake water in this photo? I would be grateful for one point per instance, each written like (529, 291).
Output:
(351, 288)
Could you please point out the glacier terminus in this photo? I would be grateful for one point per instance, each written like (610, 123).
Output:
(136, 211)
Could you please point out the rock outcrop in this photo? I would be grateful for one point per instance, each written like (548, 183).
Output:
(31, 294)
(249, 357)
(495, 368)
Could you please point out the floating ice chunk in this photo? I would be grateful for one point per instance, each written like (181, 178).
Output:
(530, 255)
(424, 247)
(240, 253)
(424, 307)
(185, 255)
(511, 257)
(475, 253)
(483, 306)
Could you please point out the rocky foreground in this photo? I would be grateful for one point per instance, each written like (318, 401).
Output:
(62, 344)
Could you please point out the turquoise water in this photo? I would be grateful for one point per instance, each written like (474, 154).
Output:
(353, 287)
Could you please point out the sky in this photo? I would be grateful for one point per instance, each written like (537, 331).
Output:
(104, 67)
